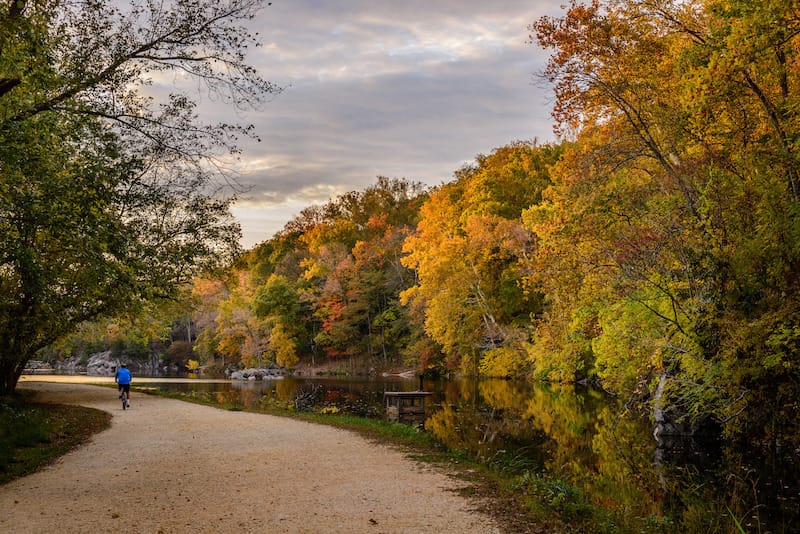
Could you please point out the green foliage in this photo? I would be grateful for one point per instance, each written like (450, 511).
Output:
(139, 335)
(556, 494)
(33, 435)
(20, 427)
(120, 347)
(673, 216)
(276, 298)
(106, 196)
(625, 350)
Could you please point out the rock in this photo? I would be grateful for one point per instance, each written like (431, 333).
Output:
(258, 373)
(102, 364)
(71, 365)
(36, 366)
(106, 364)
(237, 375)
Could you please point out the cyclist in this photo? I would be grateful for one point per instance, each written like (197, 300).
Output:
(123, 380)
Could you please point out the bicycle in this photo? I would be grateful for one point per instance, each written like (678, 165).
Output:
(125, 397)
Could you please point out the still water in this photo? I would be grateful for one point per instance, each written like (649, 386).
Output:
(570, 446)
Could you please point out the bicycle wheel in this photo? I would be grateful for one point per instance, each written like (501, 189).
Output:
(124, 401)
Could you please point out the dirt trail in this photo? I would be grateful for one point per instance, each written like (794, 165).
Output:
(171, 466)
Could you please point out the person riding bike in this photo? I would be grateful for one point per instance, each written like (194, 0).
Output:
(123, 380)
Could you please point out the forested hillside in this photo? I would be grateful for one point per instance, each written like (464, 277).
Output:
(654, 250)
(394, 275)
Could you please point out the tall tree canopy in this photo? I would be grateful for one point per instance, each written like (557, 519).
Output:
(670, 239)
(469, 251)
(108, 195)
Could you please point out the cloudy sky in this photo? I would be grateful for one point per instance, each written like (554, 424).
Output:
(406, 89)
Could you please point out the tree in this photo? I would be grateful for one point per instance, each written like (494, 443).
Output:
(108, 196)
(339, 304)
(468, 253)
(668, 241)
(278, 304)
(329, 281)
(381, 277)
(283, 346)
(352, 267)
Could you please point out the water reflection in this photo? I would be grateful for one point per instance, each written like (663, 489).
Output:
(570, 446)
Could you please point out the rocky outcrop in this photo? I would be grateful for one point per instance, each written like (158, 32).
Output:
(102, 364)
(36, 366)
(258, 373)
(71, 365)
(106, 364)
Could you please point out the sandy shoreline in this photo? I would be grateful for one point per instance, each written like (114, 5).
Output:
(171, 466)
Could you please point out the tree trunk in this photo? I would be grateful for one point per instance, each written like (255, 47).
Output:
(10, 370)
(383, 345)
(658, 408)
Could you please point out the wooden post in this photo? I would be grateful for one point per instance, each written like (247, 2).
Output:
(403, 406)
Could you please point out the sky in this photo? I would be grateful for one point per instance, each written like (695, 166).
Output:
(409, 89)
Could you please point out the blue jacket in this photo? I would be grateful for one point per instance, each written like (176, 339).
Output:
(123, 376)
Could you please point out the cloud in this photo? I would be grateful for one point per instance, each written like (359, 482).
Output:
(410, 89)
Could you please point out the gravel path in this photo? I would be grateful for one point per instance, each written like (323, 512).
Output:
(172, 466)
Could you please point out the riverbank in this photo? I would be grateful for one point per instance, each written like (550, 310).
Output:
(170, 466)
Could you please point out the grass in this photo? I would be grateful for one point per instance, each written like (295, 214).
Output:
(33, 435)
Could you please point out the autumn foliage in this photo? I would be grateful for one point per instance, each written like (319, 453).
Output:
(669, 239)
(657, 242)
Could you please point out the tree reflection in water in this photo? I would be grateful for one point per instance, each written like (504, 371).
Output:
(576, 447)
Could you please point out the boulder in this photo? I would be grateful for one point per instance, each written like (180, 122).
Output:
(102, 364)
(258, 373)
(36, 366)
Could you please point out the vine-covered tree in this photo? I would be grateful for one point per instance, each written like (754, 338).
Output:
(107, 195)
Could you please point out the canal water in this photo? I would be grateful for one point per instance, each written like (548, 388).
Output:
(570, 446)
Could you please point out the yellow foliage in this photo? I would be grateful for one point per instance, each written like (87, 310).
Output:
(503, 362)
(283, 346)
(504, 394)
